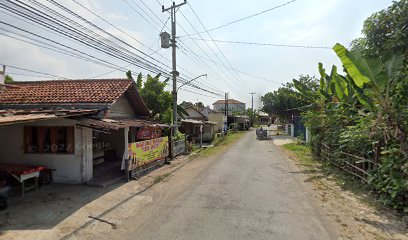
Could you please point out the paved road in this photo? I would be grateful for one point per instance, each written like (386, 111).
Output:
(250, 192)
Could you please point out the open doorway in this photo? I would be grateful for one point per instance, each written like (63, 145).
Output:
(107, 151)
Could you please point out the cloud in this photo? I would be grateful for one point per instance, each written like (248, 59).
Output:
(116, 16)
(31, 57)
(304, 26)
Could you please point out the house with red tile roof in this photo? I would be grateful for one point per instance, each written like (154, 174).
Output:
(79, 129)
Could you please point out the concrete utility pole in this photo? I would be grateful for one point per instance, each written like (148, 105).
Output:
(174, 72)
(226, 113)
(252, 93)
(3, 75)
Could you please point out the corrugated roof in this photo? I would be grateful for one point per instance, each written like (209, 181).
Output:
(111, 124)
(19, 116)
(197, 122)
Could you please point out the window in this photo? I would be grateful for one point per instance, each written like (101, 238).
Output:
(48, 139)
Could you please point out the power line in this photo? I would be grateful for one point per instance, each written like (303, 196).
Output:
(223, 65)
(263, 44)
(208, 46)
(164, 24)
(76, 34)
(90, 59)
(124, 32)
(245, 18)
(135, 10)
(112, 25)
(79, 36)
(93, 40)
(200, 63)
(33, 71)
(152, 13)
(219, 49)
(186, 47)
(204, 95)
(24, 75)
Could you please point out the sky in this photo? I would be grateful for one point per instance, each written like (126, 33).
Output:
(138, 23)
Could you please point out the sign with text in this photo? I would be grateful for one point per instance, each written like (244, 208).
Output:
(148, 133)
(147, 151)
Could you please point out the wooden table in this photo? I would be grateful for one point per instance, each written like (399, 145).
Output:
(23, 172)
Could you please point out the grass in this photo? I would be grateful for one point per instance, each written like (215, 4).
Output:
(302, 153)
(221, 144)
(161, 178)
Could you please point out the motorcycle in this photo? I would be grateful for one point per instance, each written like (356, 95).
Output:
(4, 194)
(261, 134)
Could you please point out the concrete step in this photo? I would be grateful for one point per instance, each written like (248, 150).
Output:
(107, 179)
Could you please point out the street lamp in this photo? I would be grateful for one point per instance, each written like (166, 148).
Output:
(192, 80)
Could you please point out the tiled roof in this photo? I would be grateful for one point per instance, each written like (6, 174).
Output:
(230, 101)
(64, 92)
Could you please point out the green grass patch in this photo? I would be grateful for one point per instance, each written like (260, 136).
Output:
(222, 143)
(302, 153)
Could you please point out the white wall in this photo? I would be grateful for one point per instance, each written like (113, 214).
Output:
(194, 114)
(231, 107)
(121, 109)
(69, 167)
(218, 118)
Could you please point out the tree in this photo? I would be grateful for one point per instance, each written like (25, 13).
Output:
(157, 99)
(286, 100)
(154, 95)
(139, 80)
(185, 104)
(8, 79)
(358, 113)
(199, 105)
(385, 32)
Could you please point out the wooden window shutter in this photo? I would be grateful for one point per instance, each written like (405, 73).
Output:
(28, 139)
(70, 139)
(41, 138)
(54, 139)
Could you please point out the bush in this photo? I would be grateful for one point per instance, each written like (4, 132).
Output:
(390, 180)
(179, 136)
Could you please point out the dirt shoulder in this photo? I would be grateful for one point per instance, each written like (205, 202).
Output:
(357, 213)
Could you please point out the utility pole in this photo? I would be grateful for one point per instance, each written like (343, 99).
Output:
(3, 75)
(174, 72)
(252, 94)
(252, 109)
(226, 113)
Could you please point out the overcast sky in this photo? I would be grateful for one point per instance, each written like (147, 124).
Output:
(302, 22)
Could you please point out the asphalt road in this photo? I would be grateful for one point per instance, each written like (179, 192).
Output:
(249, 192)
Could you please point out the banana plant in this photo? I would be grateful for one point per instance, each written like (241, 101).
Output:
(371, 79)
(373, 82)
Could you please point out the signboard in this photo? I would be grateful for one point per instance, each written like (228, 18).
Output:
(148, 133)
(146, 151)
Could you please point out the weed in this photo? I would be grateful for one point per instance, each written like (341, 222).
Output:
(160, 178)
(302, 153)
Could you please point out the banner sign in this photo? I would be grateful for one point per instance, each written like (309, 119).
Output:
(146, 151)
(148, 133)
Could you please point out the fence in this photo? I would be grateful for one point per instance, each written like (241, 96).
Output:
(355, 165)
(178, 147)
